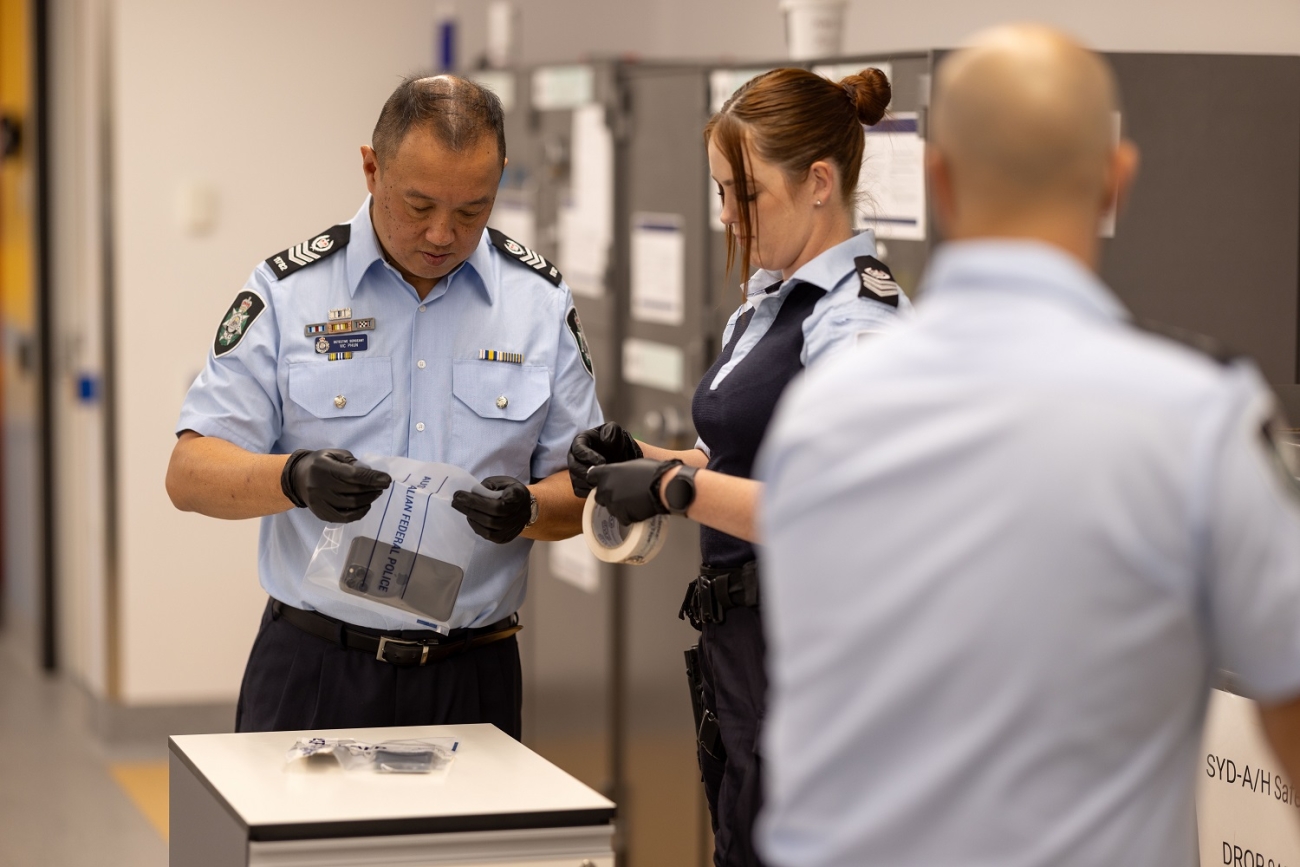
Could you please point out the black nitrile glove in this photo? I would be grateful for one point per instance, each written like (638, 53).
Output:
(607, 444)
(498, 519)
(332, 484)
(629, 490)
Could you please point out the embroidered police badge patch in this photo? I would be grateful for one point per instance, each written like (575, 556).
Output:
(299, 256)
(521, 254)
(243, 313)
(575, 328)
(877, 280)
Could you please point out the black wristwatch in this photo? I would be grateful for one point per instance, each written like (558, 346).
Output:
(679, 493)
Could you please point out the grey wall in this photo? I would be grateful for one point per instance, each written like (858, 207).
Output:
(566, 29)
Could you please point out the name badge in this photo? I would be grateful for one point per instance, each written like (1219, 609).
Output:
(342, 343)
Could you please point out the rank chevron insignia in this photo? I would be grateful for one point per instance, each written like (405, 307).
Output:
(877, 280)
(299, 256)
(525, 256)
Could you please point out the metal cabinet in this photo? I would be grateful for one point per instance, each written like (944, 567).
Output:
(1210, 241)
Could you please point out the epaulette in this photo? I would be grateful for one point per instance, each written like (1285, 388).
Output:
(1199, 342)
(299, 256)
(524, 256)
(877, 280)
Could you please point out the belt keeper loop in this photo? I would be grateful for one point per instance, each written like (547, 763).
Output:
(343, 636)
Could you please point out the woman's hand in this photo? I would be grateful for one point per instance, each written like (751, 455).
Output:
(607, 444)
(629, 490)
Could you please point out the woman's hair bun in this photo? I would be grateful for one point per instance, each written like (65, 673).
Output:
(870, 92)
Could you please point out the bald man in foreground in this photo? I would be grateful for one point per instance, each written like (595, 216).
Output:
(1002, 577)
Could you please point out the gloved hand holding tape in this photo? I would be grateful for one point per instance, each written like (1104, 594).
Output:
(624, 520)
(615, 542)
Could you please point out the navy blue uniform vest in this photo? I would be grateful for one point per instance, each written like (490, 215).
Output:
(733, 418)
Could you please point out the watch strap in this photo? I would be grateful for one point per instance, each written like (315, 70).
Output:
(685, 478)
(533, 511)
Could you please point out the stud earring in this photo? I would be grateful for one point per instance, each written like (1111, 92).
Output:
(819, 203)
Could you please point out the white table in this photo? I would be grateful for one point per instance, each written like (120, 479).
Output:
(235, 801)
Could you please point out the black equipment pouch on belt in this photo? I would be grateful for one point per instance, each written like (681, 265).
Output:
(709, 596)
(707, 733)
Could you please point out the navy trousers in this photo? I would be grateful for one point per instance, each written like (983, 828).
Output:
(735, 689)
(297, 681)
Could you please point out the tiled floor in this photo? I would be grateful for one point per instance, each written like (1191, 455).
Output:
(60, 805)
(66, 800)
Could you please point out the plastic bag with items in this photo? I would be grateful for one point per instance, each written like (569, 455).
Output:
(407, 557)
(414, 756)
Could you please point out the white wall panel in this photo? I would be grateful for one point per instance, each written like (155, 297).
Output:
(267, 103)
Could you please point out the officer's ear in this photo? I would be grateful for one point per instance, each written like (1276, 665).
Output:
(370, 167)
(1120, 174)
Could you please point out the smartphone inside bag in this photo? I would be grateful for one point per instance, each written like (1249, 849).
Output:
(401, 578)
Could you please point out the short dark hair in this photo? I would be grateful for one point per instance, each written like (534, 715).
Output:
(456, 110)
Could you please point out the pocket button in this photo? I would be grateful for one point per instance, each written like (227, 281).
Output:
(340, 401)
(502, 402)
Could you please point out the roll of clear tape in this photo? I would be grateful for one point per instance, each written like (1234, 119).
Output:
(614, 542)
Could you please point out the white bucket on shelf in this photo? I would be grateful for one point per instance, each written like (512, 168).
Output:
(814, 28)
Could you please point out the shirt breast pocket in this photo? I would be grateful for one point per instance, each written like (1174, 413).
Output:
(497, 415)
(344, 404)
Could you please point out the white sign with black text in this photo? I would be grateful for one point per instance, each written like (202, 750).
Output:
(1246, 810)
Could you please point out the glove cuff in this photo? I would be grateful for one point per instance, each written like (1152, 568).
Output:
(286, 478)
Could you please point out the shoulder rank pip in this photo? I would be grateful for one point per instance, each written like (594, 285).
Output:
(1192, 340)
(524, 256)
(299, 256)
(877, 280)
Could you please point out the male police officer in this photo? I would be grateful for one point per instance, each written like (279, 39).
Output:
(1000, 578)
(410, 330)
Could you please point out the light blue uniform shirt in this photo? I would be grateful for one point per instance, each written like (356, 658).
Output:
(840, 319)
(1008, 544)
(419, 390)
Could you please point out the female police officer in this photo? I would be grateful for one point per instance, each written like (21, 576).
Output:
(785, 153)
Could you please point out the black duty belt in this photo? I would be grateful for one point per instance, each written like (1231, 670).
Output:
(710, 596)
(405, 647)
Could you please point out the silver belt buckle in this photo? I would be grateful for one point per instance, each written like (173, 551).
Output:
(385, 640)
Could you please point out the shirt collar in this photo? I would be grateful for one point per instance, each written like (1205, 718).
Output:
(364, 251)
(825, 270)
(478, 268)
(1020, 266)
(363, 247)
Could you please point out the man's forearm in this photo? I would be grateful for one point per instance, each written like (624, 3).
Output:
(559, 512)
(219, 479)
